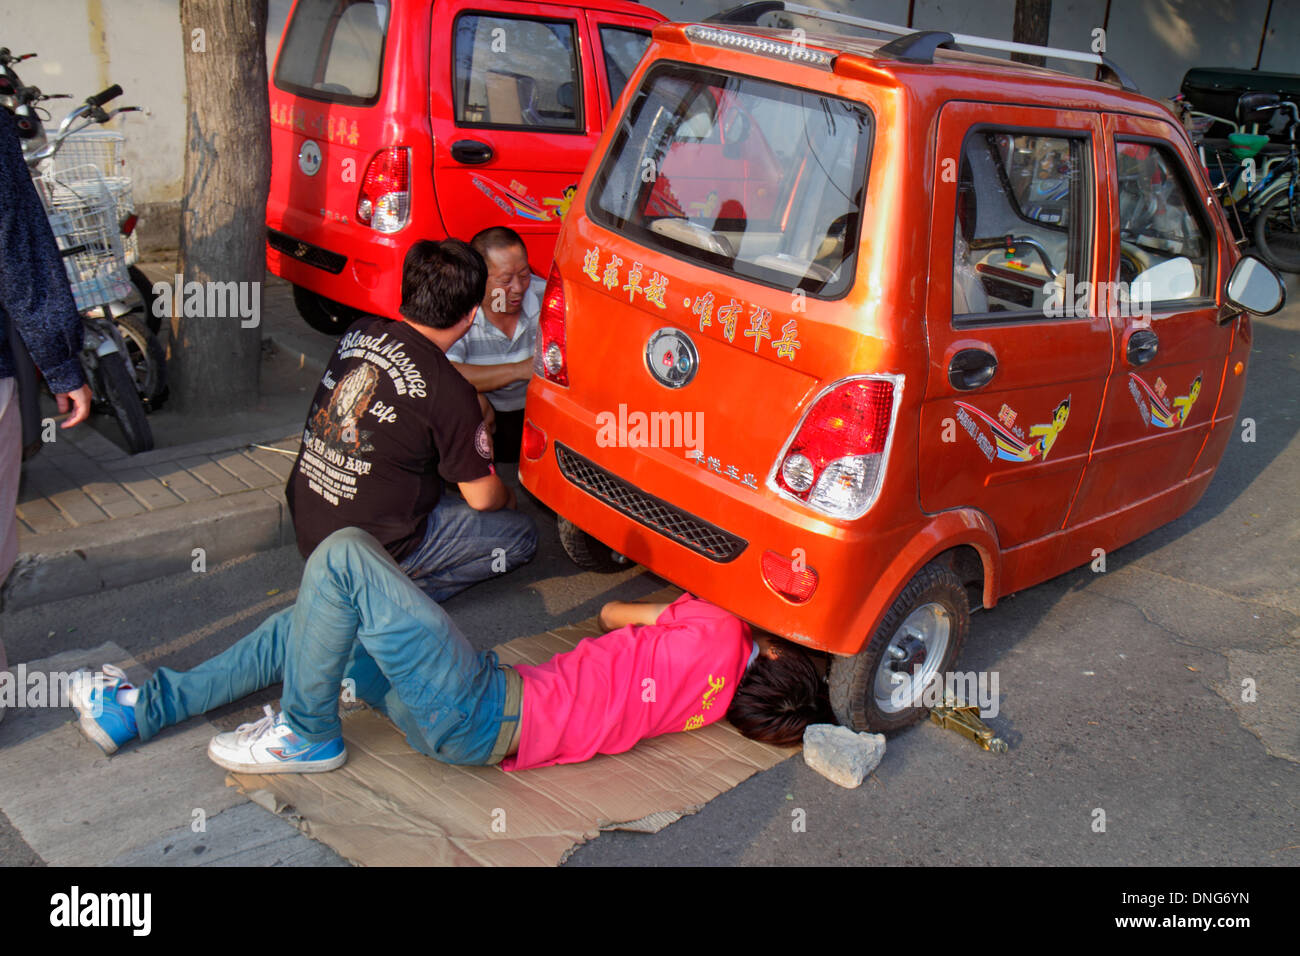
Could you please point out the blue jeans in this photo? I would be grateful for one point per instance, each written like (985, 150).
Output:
(357, 616)
(462, 547)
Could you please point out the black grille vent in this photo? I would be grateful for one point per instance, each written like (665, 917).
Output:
(623, 496)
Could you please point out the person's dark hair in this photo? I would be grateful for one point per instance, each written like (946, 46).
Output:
(496, 237)
(441, 281)
(778, 697)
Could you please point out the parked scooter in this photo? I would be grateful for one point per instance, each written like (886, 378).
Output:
(85, 215)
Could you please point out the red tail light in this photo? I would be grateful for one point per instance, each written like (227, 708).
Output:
(551, 360)
(793, 585)
(835, 461)
(385, 200)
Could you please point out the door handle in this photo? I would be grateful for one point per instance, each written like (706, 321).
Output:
(1142, 347)
(471, 152)
(971, 369)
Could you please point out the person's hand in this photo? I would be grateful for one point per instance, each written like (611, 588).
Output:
(78, 402)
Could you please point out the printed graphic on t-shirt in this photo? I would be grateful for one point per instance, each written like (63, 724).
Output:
(336, 440)
(483, 441)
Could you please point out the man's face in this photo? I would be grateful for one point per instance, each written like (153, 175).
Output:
(507, 281)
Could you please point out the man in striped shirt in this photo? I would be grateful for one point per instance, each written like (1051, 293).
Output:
(496, 354)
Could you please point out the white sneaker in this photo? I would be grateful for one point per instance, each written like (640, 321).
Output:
(270, 746)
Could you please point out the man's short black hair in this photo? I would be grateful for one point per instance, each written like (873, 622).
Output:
(496, 237)
(441, 281)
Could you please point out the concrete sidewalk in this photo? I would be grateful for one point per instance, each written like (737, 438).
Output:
(91, 516)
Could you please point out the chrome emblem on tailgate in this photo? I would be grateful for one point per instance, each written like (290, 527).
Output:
(671, 358)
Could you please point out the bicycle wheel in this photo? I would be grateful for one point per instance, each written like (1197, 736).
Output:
(1277, 231)
(147, 358)
(122, 397)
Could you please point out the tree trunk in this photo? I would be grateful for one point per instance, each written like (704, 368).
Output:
(1033, 17)
(216, 315)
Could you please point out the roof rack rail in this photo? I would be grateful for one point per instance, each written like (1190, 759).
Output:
(919, 41)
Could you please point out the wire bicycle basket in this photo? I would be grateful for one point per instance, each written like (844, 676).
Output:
(104, 149)
(83, 213)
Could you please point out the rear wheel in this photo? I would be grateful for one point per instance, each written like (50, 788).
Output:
(120, 393)
(322, 314)
(879, 688)
(1277, 230)
(587, 552)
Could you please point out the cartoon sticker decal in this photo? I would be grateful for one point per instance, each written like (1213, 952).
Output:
(1009, 442)
(510, 201)
(1155, 409)
(562, 202)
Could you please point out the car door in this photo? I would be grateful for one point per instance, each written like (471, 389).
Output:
(1169, 347)
(1018, 354)
(516, 113)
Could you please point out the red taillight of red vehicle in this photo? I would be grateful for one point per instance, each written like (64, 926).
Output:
(384, 203)
(792, 583)
(534, 443)
(835, 461)
(550, 360)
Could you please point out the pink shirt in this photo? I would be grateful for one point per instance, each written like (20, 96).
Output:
(609, 692)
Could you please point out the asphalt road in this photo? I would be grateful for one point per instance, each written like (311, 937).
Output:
(1119, 691)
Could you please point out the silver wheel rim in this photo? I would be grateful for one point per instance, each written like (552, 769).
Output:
(922, 637)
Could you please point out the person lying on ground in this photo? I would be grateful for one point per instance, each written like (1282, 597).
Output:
(661, 668)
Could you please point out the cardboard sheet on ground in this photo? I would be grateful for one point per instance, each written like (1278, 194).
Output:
(392, 806)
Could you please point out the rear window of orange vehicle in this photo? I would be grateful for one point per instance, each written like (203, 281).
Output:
(334, 51)
(742, 175)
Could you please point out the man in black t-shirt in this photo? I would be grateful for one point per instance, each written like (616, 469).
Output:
(392, 420)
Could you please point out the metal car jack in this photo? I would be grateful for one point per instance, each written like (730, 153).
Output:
(965, 719)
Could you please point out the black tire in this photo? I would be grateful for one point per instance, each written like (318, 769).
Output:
(124, 401)
(857, 682)
(144, 288)
(1277, 231)
(586, 552)
(147, 359)
(322, 314)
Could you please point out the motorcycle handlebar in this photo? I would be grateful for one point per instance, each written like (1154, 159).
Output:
(99, 99)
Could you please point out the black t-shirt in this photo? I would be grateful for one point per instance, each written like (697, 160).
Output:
(391, 419)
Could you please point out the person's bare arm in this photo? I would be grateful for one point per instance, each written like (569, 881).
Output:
(488, 378)
(488, 493)
(618, 614)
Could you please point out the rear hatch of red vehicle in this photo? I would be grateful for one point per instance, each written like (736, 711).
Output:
(348, 127)
(710, 294)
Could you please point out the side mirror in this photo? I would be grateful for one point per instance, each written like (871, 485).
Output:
(1255, 287)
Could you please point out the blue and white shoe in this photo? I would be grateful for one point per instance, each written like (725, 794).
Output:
(102, 718)
(270, 746)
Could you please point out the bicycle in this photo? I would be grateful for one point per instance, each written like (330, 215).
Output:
(1265, 203)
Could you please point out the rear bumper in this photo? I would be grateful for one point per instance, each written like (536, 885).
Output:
(363, 273)
(708, 535)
